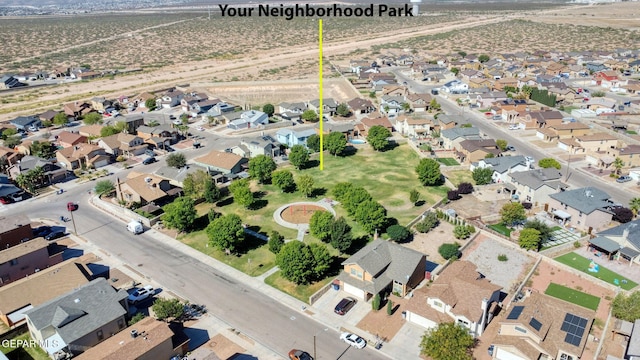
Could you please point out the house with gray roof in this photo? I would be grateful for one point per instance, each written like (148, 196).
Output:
(52, 171)
(451, 138)
(290, 137)
(24, 122)
(502, 166)
(535, 186)
(585, 209)
(259, 145)
(291, 111)
(382, 266)
(80, 319)
(176, 176)
(329, 106)
(247, 119)
(627, 236)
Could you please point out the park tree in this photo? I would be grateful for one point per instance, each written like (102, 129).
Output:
(378, 137)
(176, 160)
(320, 225)
(195, 184)
(261, 167)
(225, 232)
(167, 309)
(453, 195)
(483, 58)
(212, 215)
(618, 164)
(305, 185)
(340, 235)
(482, 176)
(544, 229)
(313, 143)
(244, 196)
(180, 214)
(92, 118)
(335, 143)
(43, 149)
(626, 307)
(268, 109)
(276, 241)
(502, 144)
(298, 156)
(353, 198)
(447, 341)
(322, 260)
(398, 233)
(309, 116)
(343, 110)
(296, 262)
(371, 215)
(211, 191)
(429, 221)
(429, 172)
(512, 213)
(150, 104)
(341, 189)
(634, 205)
(622, 215)
(529, 239)
(105, 187)
(61, 119)
(414, 196)
(549, 163)
(283, 179)
(448, 250)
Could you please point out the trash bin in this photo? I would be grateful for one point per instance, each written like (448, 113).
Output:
(336, 286)
(404, 314)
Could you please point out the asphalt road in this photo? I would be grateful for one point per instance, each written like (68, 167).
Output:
(268, 322)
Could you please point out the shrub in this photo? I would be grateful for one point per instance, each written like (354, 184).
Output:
(398, 233)
(502, 257)
(453, 195)
(448, 251)
(465, 188)
(212, 215)
(576, 244)
(622, 215)
(461, 232)
(389, 307)
(375, 304)
(429, 222)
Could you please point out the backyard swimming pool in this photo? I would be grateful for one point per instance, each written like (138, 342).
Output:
(357, 141)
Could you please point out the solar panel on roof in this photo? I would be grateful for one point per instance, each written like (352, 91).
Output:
(575, 327)
(515, 313)
(534, 323)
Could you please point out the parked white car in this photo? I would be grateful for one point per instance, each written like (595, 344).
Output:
(353, 340)
(141, 294)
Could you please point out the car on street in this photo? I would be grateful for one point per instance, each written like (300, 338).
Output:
(72, 206)
(296, 354)
(623, 179)
(353, 340)
(148, 161)
(200, 128)
(141, 294)
(42, 231)
(54, 235)
(15, 197)
(511, 148)
(344, 305)
(514, 127)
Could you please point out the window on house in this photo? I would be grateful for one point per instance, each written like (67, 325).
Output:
(565, 207)
(462, 322)
(522, 330)
(100, 335)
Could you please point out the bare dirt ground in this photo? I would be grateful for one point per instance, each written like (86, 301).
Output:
(428, 243)
(383, 325)
(624, 15)
(300, 214)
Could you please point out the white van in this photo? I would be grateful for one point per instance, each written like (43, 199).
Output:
(135, 227)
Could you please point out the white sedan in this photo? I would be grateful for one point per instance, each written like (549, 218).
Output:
(353, 340)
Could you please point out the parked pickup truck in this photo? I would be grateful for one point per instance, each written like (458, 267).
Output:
(141, 294)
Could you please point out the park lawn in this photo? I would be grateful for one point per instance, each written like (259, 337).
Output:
(501, 229)
(573, 296)
(30, 352)
(581, 263)
(448, 161)
(459, 176)
(300, 292)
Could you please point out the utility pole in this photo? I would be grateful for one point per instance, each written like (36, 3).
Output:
(566, 177)
(73, 222)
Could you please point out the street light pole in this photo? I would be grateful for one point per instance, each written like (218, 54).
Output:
(74, 223)
(314, 342)
(566, 177)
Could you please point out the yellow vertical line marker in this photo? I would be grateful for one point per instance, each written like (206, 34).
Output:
(320, 82)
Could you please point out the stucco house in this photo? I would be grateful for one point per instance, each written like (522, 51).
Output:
(222, 162)
(260, 145)
(247, 119)
(459, 294)
(502, 166)
(329, 106)
(170, 98)
(417, 127)
(52, 171)
(382, 266)
(68, 139)
(585, 209)
(419, 102)
(26, 258)
(25, 122)
(123, 144)
(626, 237)
(451, 138)
(144, 189)
(82, 155)
(290, 137)
(535, 186)
(361, 106)
(472, 150)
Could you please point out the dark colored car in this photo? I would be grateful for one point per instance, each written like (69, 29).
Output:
(54, 235)
(5, 200)
(296, 354)
(344, 305)
(148, 161)
(41, 231)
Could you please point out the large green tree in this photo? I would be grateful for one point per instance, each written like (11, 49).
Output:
(60, 119)
(529, 239)
(320, 225)
(150, 104)
(429, 172)
(447, 341)
(298, 156)
(176, 160)
(343, 110)
(634, 205)
(398, 233)
(544, 229)
(243, 195)
(276, 242)
(549, 163)
(180, 214)
(378, 137)
(626, 307)
(283, 179)
(340, 235)
(309, 116)
(313, 143)
(482, 176)
(44, 149)
(211, 191)
(371, 216)
(502, 144)
(92, 118)
(512, 213)
(296, 262)
(105, 187)
(226, 232)
(261, 167)
(7, 133)
(167, 309)
(195, 183)
(353, 198)
(321, 260)
(305, 185)
(335, 143)
(268, 109)
(341, 189)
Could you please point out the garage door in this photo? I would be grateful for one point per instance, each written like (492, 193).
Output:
(354, 290)
(101, 163)
(419, 320)
(505, 355)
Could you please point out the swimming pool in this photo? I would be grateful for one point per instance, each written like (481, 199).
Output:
(357, 141)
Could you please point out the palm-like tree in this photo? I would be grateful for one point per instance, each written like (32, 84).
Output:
(634, 205)
(618, 164)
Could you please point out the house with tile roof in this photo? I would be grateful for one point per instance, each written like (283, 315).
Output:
(123, 144)
(361, 106)
(585, 209)
(144, 188)
(26, 258)
(80, 319)
(82, 155)
(382, 266)
(535, 186)
(222, 162)
(459, 294)
(543, 327)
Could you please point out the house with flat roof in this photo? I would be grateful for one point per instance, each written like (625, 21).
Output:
(382, 266)
(26, 258)
(535, 186)
(585, 209)
(459, 294)
(80, 319)
(543, 327)
(35, 289)
(148, 339)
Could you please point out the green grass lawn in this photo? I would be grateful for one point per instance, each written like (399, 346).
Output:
(459, 176)
(573, 296)
(31, 352)
(448, 161)
(300, 292)
(631, 132)
(581, 263)
(501, 228)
